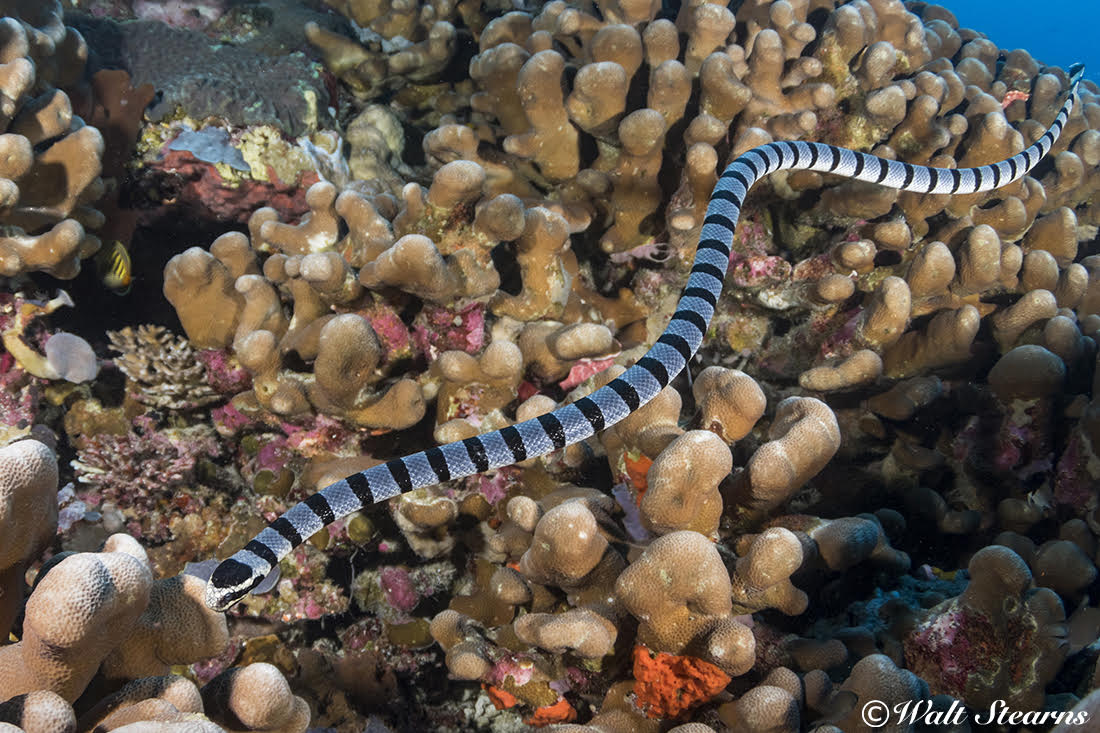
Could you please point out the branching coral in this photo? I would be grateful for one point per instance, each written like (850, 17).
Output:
(163, 369)
(145, 460)
(401, 42)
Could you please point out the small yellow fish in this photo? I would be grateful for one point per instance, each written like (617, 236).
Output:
(113, 262)
(944, 574)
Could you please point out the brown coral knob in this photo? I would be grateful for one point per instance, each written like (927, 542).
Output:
(861, 368)
(1027, 372)
(804, 437)
(578, 630)
(257, 697)
(683, 485)
(28, 517)
(678, 588)
(566, 547)
(729, 402)
(762, 578)
(84, 607)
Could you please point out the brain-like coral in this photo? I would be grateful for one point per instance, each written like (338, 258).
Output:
(100, 619)
(231, 84)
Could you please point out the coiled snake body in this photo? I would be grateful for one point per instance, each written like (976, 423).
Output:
(574, 422)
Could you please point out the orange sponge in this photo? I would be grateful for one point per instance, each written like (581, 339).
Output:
(666, 685)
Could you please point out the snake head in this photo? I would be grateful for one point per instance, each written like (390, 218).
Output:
(1076, 71)
(230, 582)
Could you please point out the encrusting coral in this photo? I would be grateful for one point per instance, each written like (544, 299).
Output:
(879, 482)
(980, 616)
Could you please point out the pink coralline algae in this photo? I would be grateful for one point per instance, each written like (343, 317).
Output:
(1025, 438)
(398, 587)
(209, 669)
(19, 394)
(393, 335)
(141, 471)
(196, 14)
(1077, 474)
(438, 329)
(228, 420)
(517, 669)
(223, 373)
(757, 270)
(392, 592)
(584, 369)
(272, 455)
(203, 188)
(496, 485)
(944, 644)
(753, 237)
(964, 444)
(839, 341)
(1015, 442)
(320, 436)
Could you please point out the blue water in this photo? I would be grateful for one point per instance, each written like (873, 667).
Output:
(1056, 33)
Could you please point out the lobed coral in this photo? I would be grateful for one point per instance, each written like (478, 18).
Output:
(97, 627)
(854, 298)
(50, 178)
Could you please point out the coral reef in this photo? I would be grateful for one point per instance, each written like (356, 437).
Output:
(52, 160)
(878, 482)
(99, 634)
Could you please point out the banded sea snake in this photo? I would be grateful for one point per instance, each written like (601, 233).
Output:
(572, 423)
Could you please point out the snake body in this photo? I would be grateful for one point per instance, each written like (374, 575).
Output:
(576, 421)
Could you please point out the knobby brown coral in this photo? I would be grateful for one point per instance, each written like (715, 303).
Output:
(882, 365)
(100, 620)
(50, 177)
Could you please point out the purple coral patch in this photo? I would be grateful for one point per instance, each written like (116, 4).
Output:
(398, 587)
(438, 329)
